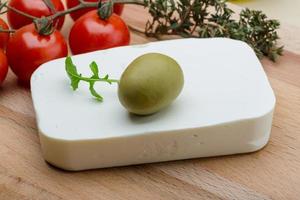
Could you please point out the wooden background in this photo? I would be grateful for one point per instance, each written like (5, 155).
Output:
(272, 173)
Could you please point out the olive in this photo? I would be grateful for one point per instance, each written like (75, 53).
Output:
(150, 83)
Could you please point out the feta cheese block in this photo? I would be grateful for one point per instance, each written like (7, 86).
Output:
(226, 107)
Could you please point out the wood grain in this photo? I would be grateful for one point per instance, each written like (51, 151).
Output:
(272, 173)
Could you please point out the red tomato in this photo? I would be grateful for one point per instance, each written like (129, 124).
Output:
(90, 33)
(33, 7)
(3, 66)
(27, 50)
(118, 8)
(3, 36)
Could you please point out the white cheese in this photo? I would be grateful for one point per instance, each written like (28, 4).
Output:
(226, 107)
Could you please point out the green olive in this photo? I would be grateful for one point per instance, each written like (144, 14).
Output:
(150, 83)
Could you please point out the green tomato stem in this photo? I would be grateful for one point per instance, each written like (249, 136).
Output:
(82, 4)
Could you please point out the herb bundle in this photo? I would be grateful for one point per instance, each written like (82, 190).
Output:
(213, 18)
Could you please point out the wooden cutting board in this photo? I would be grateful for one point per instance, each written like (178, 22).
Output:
(272, 173)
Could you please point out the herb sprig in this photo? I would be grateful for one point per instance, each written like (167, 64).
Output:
(213, 18)
(75, 77)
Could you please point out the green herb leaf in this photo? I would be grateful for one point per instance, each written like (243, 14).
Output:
(75, 77)
(70, 67)
(94, 93)
(72, 73)
(95, 70)
(75, 83)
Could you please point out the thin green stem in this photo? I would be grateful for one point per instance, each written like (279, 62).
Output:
(94, 79)
(83, 4)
